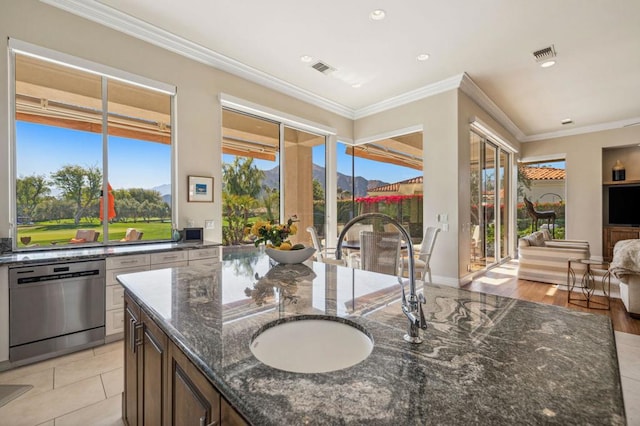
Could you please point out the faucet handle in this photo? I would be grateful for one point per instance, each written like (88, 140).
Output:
(404, 296)
(423, 320)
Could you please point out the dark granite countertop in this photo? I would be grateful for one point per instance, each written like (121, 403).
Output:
(96, 252)
(485, 359)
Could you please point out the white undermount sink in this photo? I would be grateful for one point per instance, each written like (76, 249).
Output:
(312, 345)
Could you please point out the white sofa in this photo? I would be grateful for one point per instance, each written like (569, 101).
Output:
(544, 259)
(625, 266)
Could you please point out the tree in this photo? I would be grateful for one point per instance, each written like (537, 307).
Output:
(242, 177)
(80, 185)
(242, 184)
(318, 191)
(30, 191)
(271, 202)
(236, 208)
(523, 181)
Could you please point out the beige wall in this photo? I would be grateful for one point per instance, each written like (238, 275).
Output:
(585, 172)
(438, 116)
(198, 129)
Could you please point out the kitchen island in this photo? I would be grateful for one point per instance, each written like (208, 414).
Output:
(485, 359)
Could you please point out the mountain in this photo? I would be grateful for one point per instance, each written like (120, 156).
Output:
(272, 179)
(165, 192)
(163, 189)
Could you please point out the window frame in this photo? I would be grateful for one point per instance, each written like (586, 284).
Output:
(106, 74)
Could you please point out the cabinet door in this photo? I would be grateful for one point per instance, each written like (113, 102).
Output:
(132, 321)
(153, 364)
(193, 400)
(229, 416)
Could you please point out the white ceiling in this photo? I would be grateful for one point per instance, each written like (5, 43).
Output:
(596, 81)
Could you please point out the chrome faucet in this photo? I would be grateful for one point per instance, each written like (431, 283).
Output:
(412, 305)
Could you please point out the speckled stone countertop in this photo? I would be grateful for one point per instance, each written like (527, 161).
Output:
(485, 360)
(95, 252)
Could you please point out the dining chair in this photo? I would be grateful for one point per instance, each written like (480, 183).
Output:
(353, 235)
(424, 254)
(323, 254)
(380, 252)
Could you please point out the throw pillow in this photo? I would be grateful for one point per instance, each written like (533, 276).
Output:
(537, 239)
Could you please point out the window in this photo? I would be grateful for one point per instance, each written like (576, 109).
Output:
(271, 171)
(383, 176)
(93, 156)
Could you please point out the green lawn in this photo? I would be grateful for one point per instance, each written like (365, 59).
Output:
(58, 233)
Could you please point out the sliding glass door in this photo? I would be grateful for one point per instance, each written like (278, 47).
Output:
(490, 189)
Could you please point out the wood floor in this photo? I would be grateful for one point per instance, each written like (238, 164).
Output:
(503, 281)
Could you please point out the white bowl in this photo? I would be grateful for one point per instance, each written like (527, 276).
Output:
(290, 256)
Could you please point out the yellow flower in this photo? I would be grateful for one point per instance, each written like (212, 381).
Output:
(293, 229)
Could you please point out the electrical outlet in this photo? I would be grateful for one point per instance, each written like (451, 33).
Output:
(445, 227)
(208, 224)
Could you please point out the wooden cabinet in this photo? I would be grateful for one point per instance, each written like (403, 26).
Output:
(146, 355)
(613, 234)
(161, 385)
(194, 401)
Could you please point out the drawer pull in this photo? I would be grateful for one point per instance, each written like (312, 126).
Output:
(129, 262)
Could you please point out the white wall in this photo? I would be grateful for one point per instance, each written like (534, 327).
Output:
(198, 129)
(584, 168)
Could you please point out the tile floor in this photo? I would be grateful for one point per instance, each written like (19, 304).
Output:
(84, 388)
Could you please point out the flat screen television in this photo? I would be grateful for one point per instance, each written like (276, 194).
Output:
(624, 205)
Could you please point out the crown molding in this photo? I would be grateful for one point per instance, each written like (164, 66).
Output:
(112, 18)
(119, 21)
(471, 89)
(582, 130)
(412, 96)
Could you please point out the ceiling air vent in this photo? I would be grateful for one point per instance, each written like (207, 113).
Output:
(322, 67)
(545, 54)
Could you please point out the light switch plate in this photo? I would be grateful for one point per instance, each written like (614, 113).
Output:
(208, 224)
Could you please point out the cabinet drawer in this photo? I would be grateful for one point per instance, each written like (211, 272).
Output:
(118, 262)
(207, 253)
(114, 298)
(114, 321)
(168, 265)
(204, 262)
(112, 274)
(167, 257)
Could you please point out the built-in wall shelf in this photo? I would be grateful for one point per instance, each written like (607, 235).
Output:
(621, 182)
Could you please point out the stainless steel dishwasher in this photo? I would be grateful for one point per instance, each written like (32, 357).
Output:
(55, 309)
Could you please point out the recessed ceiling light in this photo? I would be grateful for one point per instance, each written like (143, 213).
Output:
(567, 121)
(548, 64)
(356, 85)
(422, 57)
(377, 15)
(306, 58)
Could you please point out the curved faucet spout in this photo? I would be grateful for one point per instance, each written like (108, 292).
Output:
(411, 305)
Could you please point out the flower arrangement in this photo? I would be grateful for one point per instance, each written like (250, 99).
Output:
(275, 236)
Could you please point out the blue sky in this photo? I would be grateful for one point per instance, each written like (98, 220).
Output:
(132, 163)
(138, 164)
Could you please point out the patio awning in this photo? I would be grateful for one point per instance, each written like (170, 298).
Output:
(60, 96)
(405, 152)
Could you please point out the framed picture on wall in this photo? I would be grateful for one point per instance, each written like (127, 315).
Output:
(200, 189)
